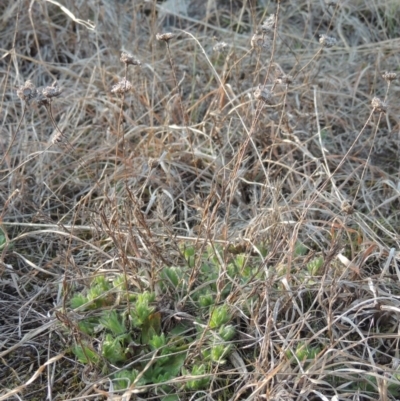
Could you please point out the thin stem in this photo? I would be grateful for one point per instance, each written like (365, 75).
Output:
(185, 116)
(15, 135)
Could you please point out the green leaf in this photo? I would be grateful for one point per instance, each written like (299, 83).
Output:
(189, 255)
(78, 300)
(218, 352)
(232, 270)
(98, 288)
(124, 378)
(113, 322)
(304, 352)
(119, 282)
(263, 250)
(113, 350)
(240, 260)
(87, 326)
(171, 397)
(158, 374)
(227, 332)
(142, 310)
(2, 239)
(175, 363)
(219, 316)
(206, 300)
(157, 342)
(172, 275)
(300, 249)
(314, 266)
(86, 354)
(102, 283)
(200, 383)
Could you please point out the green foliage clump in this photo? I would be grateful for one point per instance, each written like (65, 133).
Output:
(128, 332)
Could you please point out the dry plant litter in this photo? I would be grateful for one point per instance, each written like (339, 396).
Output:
(201, 206)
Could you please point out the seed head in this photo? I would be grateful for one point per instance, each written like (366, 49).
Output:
(260, 41)
(262, 93)
(269, 24)
(347, 208)
(45, 96)
(220, 47)
(27, 92)
(42, 100)
(389, 76)
(284, 79)
(165, 37)
(378, 105)
(128, 59)
(122, 86)
(52, 91)
(327, 41)
(57, 137)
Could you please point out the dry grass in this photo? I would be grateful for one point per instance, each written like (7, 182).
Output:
(278, 147)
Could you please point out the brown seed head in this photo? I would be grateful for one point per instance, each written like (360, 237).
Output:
(220, 47)
(378, 105)
(128, 59)
(122, 86)
(27, 92)
(42, 100)
(165, 37)
(347, 208)
(260, 41)
(327, 41)
(269, 24)
(57, 137)
(52, 91)
(389, 76)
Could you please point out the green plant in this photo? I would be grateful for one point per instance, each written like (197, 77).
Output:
(219, 316)
(315, 265)
(124, 378)
(2, 239)
(140, 331)
(303, 352)
(200, 383)
(86, 354)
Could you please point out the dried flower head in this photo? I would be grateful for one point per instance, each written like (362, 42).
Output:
(389, 76)
(57, 137)
(165, 37)
(27, 92)
(45, 96)
(327, 41)
(260, 41)
(269, 24)
(262, 93)
(52, 91)
(128, 59)
(220, 47)
(347, 208)
(378, 105)
(122, 86)
(284, 79)
(42, 100)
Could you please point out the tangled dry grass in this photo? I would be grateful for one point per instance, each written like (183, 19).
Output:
(121, 145)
